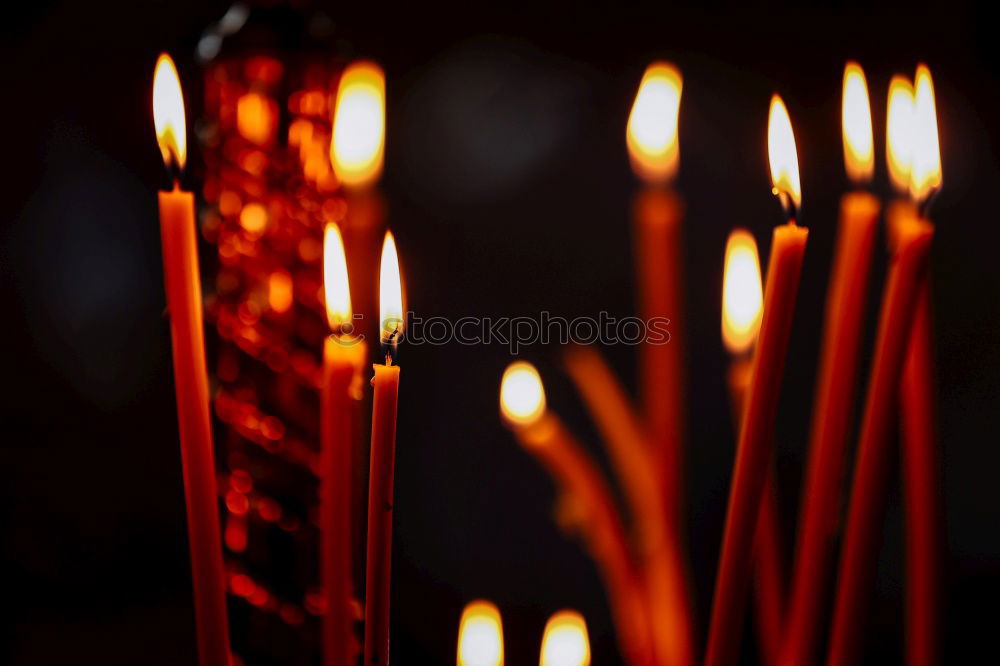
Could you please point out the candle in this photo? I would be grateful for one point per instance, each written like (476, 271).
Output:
(837, 378)
(587, 502)
(651, 137)
(383, 458)
(753, 451)
(183, 286)
(742, 303)
(343, 357)
(565, 641)
(480, 635)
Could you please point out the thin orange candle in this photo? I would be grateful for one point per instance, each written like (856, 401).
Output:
(343, 359)
(182, 280)
(837, 378)
(565, 641)
(653, 146)
(383, 459)
(755, 445)
(480, 635)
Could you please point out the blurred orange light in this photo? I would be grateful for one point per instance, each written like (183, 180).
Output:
(899, 132)
(856, 122)
(925, 171)
(480, 635)
(651, 133)
(742, 295)
(522, 396)
(256, 118)
(565, 641)
(358, 143)
(335, 283)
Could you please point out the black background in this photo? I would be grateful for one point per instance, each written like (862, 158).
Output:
(509, 189)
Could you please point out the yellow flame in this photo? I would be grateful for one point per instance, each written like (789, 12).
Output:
(856, 120)
(358, 143)
(565, 642)
(925, 173)
(168, 113)
(651, 134)
(390, 287)
(335, 283)
(781, 153)
(742, 295)
(480, 635)
(899, 132)
(522, 397)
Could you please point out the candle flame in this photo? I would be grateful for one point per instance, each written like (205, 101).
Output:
(856, 119)
(335, 283)
(651, 134)
(390, 293)
(565, 641)
(742, 295)
(522, 396)
(925, 172)
(899, 132)
(168, 113)
(782, 157)
(358, 142)
(480, 635)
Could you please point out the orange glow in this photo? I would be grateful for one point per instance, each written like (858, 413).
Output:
(335, 284)
(899, 132)
(253, 218)
(925, 172)
(742, 295)
(168, 113)
(565, 642)
(782, 156)
(279, 291)
(257, 118)
(480, 635)
(390, 289)
(856, 121)
(651, 134)
(522, 396)
(358, 143)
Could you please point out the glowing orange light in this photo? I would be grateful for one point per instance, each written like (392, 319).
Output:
(358, 143)
(279, 291)
(168, 113)
(925, 172)
(480, 635)
(856, 121)
(390, 288)
(253, 218)
(742, 295)
(335, 283)
(651, 134)
(565, 642)
(899, 132)
(522, 397)
(782, 155)
(256, 118)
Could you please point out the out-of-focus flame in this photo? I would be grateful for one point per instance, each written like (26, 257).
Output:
(168, 113)
(742, 295)
(522, 397)
(358, 142)
(390, 289)
(856, 120)
(899, 132)
(335, 283)
(651, 134)
(480, 635)
(565, 642)
(782, 156)
(925, 172)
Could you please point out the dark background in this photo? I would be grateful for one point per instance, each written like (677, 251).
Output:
(509, 189)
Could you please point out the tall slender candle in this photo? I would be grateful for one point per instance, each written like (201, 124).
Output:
(480, 635)
(343, 359)
(383, 460)
(754, 449)
(565, 641)
(837, 379)
(183, 285)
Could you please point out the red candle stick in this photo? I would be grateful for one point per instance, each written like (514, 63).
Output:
(837, 378)
(755, 444)
(183, 285)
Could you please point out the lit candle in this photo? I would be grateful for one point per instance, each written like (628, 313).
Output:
(653, 146)
(565, 641)
(837, 378)
(755, 445)
(587, 502)
(911, 241)
(343, 359)
(480, 635)
(183, 285)
(383, 458)
(742, 303)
